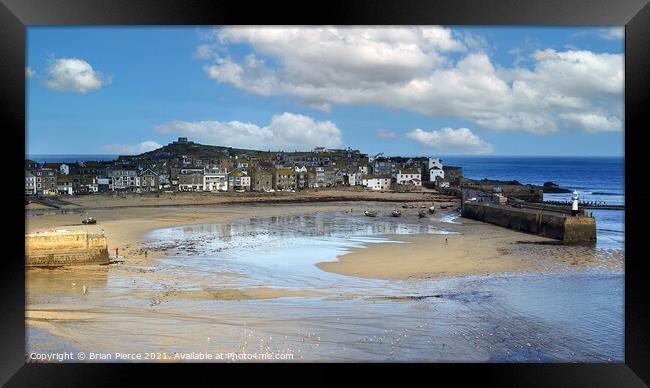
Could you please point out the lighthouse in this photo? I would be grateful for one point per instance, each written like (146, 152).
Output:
(574, 205)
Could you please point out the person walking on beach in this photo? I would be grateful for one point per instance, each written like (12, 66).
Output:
(445, 240)
(145, 254)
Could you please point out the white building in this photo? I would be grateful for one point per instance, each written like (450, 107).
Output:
(64, 187)
(215, 179)
(408, 177)
(375, 183)
(125, 179)
(434, 170)
(319, 180)
(245, 182)
(30, 183)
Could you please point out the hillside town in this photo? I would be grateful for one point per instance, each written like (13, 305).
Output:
(186, 166)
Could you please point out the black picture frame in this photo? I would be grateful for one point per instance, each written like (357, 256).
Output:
(15, 15)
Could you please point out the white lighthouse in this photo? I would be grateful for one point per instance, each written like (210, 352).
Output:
(574, 205)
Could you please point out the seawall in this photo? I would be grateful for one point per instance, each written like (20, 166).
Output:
(55, 249)
(554, 225)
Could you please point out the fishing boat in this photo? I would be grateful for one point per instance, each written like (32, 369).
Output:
(432, 209)
(396, 213)
(422, 214)
(370, 213)
(89, 221)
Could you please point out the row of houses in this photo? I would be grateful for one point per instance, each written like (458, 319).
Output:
(47, 181)
(211, 179)
(235, 170)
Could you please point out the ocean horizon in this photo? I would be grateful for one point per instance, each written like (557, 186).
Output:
(69, 158)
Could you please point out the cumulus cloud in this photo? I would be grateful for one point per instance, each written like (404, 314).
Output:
(386, 134)
(286, 131)
(74, 75)
(131, 149)
(29, 73)
(448, 140)
(412, 69)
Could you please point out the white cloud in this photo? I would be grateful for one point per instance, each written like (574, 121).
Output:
(131, 149)
(286, 131)
(74, 75)
(594, 122)
(410, 68)
(610, 33)
(315, 57)
(386, 134)
(578, 73)
(448, 140)
(29, 73)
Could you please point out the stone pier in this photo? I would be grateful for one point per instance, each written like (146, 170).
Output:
(62, 248)
(556, 225)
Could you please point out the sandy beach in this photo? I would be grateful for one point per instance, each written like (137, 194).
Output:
(472, 247)
(157, 295)
(126, 220)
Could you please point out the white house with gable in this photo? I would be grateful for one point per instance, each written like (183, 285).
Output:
(215, 179)
(408, 177)
(376, 183)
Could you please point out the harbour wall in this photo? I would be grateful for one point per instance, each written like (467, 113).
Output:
(531, 193)
(557, 226)
(55, 249)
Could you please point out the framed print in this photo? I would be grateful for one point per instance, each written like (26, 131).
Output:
(450, 185)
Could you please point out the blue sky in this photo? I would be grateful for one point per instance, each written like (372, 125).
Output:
(407, 90)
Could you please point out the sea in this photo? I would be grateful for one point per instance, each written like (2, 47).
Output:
(597, 179)
(70, 158)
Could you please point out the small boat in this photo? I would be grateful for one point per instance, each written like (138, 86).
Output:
(89, 221)
(396, 213)
(422, 214)
(432, 209)
(370, 213)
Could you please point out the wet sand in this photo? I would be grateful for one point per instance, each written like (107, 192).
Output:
(165, 302)
(480, 249)
(473, 249)
(126, 227)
